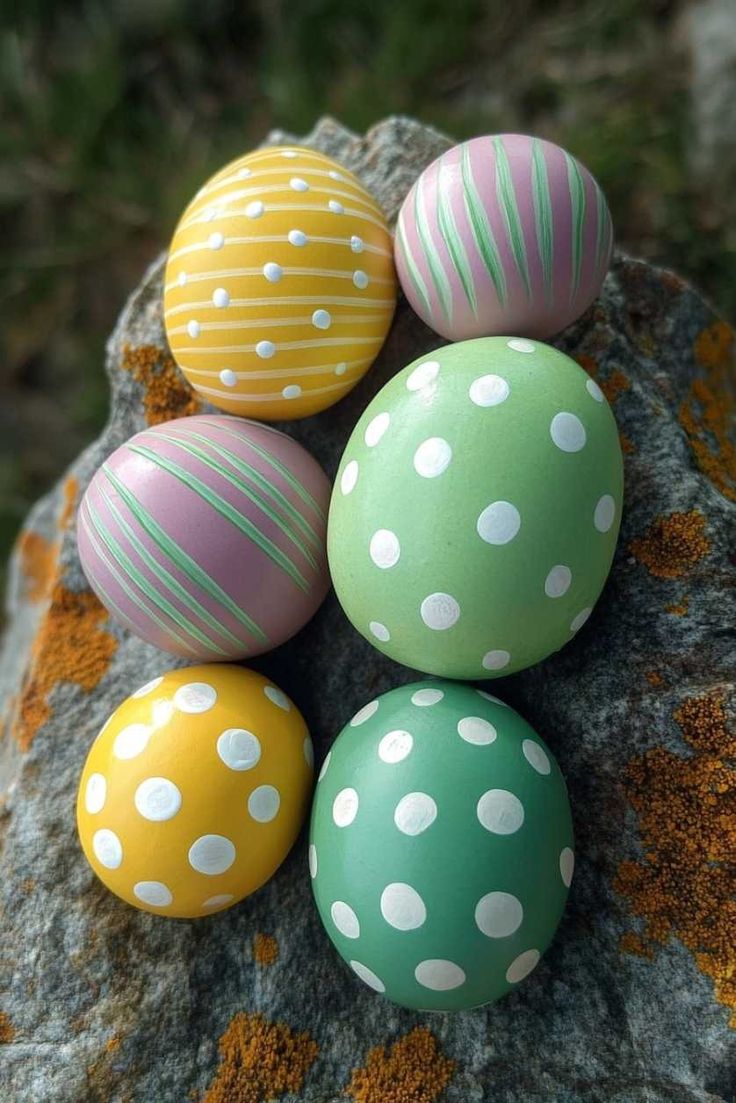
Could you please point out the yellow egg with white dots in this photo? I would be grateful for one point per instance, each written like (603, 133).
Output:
(280, 285)
(195, 790)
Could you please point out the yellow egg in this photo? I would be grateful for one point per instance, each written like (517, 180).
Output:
(195, 790)
(280, 284)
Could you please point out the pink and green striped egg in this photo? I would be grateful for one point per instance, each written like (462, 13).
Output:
(476, 508)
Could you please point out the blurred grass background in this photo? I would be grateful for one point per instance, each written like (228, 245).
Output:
(114, 112)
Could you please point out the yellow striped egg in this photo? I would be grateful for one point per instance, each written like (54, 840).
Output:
(280, 284)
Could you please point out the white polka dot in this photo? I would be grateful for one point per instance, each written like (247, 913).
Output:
(335, 207)
(297, 184)
(254, 209)
(498, 523)
(522, 966)
(95, 794)
(195, 697)
(476, 730)
(228, 377)
(193, 328)
(349, 477)
(385, 548)
(423, 375)
(594, 390)
(297, 237)
(395, 746)
(432, 457)
(520, 344)
(322, 319)
(605, 511)
(364, 714)
(414, 813)
(490, 697)
(488, 390)
(345, 807)
(308, 752)
(360, 279)
(148, 688)
(440, 611)
(567, 866)
(496, 660)
(325, 766)
(341, 368)
(157, 799)
(568, 432)
(211, 854)
(313, 863)
(439, 974)
(345, 919)
(402, 907)
(277, 697)
(238, 748)
(221, 297)
(107, 848)
(272, 271)
(500, 812)
(218, 900)
(536, 756)
(380, 631)
(264, 803)
(558, 581)
(288, 153)
(182, 281)
(265, 349)
(375, 429)
(368, 976)
(216, 241)
(356, 244)
(424, 697)
(498, 914)
(292, 390)
(580, 619)
(131, 741)
(154, 893)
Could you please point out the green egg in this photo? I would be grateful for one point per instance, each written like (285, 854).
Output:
(441, 846)
(476, 508)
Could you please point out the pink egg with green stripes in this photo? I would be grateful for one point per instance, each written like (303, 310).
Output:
(505, 234)
(206, 536)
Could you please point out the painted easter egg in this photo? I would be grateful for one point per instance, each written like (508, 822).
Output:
(441, 846)
(476, 508)
(503, 234)
(280, 284)
(206, 536)
(195, 790)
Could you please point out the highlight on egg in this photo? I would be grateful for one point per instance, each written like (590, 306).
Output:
(441, 846)
(503, 234)
(195, 790)
(280, 284)
(476, 508)
(206, 536)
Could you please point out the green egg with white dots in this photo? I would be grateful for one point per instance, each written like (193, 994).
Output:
(441, 846)
(476, 508)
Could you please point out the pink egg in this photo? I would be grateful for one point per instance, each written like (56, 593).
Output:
(503, 235)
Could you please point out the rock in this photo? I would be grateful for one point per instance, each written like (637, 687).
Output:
(632, 1003)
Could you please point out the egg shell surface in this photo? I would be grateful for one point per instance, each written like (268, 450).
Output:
(503, 234)
(476, 508)
(441, 846)
(195, 790)
(206, 536)
(280, 284)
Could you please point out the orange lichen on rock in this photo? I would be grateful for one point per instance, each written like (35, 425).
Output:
(708, 414)
(613, 385)
(7, 1030)
(71, 645)
(38, 555)
(682, 887)
(265, 949)
(654, 678)
(680, 608)
(414, 1070)
(167, 393)
(672, 545)
(627, 445)
(260, 1061)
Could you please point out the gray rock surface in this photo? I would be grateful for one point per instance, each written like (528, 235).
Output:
(101, 1002)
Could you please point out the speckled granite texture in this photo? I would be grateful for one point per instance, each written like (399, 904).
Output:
(633, 1001)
